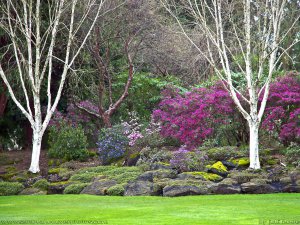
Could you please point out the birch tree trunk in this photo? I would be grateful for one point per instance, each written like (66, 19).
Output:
(33, 51)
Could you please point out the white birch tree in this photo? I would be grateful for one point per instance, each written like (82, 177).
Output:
(251, 28)
(33, 45)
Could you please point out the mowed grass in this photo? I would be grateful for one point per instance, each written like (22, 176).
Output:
(211, 209)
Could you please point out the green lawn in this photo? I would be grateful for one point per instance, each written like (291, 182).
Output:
(211, 209)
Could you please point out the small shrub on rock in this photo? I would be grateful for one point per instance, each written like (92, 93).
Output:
(83, 177)
(117, 190)
(10, 188)
(75, 188)
(41, 184)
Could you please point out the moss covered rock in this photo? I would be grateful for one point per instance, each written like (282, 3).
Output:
(99, 187)
(204, 175)
(33, 191)
(218, 168)
(183, 190)
(244, 176)
(240, 162)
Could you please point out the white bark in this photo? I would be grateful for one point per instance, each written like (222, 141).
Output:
(36, 150)
(23, 23)
(253, 145)
(208, 17)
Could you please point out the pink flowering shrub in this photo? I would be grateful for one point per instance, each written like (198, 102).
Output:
(282, 115)
(200, 114)
(191, 117)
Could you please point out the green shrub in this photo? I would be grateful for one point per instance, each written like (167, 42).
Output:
(292, 154)
(75, 188)
(153, 155)
(41, 184)
(83, 177)
(10, 188)
(98, 169)
(67, 142)
(117, 190)
(225, 153)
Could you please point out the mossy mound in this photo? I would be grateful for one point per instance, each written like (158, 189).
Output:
(75, 188)
(32, 191)
(205, 176)
(218, 168)
(41, 184)
(240, 162)
(117, 190)
(245, 176)
(10, 188)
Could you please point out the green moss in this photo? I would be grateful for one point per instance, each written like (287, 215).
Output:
(240, 162)
(10, 188)
(7, 176)
(244, 176)
(218, 166)
(41, 184)
(11, 169)
(98, 169)
(60, 183)
(75, 188)
(164, 164)
(272, 161)
(54, 170)
(134, 155)
(125, 177)
(117, 190)
(206, 176)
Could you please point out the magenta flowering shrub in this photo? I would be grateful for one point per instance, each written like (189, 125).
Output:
(192, 117)
(202, 113)
(282, 115)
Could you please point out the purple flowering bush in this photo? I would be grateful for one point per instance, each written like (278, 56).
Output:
(112, 144)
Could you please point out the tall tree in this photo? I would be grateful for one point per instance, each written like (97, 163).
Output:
(113, 46)
(32, 44)
(246, 36)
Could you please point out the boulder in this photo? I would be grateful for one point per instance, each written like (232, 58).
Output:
(257, 186)
(57, 187)
(138, 188)
(157, 174)
(200, 175)
(98, 187)
(244, 176)
(183, 190)
(227, 189)
(226, 186)
(32, 191)
(291, 188)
